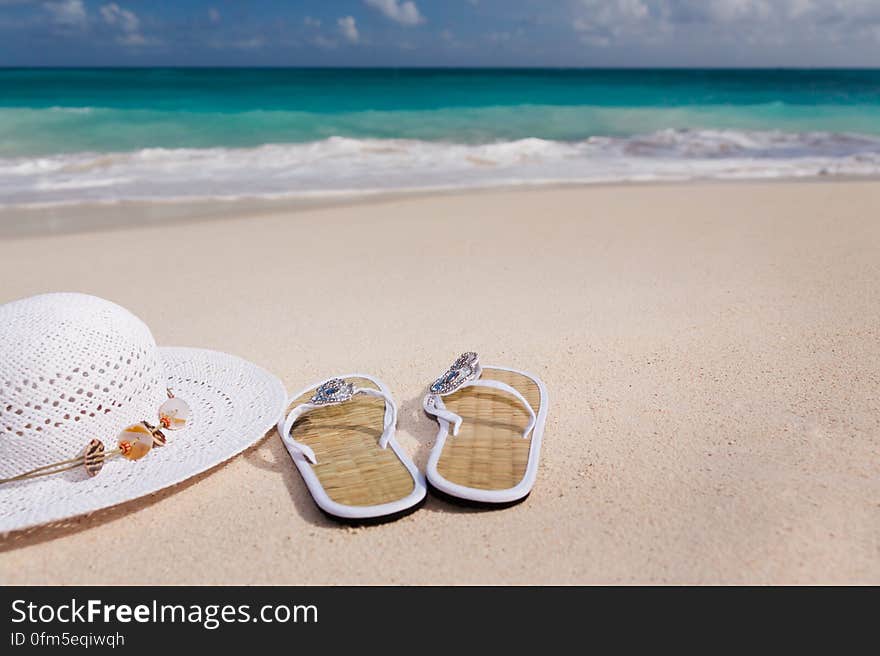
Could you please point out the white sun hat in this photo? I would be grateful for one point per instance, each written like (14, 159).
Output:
(74, 368)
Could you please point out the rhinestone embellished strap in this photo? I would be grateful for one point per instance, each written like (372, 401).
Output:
(334, 392)
(465, 369)
(466, 372)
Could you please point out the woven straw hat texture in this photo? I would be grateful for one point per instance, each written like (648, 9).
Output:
(75, 367)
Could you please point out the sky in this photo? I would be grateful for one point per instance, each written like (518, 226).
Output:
(578, 33)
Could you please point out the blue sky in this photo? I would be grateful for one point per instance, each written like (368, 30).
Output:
(441, 32)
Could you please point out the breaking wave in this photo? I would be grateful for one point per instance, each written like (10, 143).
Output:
(350, 166)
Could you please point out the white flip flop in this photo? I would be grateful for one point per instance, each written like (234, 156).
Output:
(340, 434)
(497, 417)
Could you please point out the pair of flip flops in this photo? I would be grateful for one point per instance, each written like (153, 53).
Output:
(341, 436)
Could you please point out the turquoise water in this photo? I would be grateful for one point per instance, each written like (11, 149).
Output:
(109, 134)
(51, 111)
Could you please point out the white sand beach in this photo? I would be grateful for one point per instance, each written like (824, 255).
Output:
(712, 353)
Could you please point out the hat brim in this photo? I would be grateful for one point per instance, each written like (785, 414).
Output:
(234, 403)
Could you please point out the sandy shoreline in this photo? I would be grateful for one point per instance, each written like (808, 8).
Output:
(712, 353)
(69, 218)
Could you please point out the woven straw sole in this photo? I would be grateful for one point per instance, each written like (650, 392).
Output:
(352, 468)
(489, 452)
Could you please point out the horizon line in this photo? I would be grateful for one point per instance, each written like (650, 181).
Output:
(441, 67)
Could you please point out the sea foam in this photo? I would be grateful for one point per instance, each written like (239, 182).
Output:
(345, 166)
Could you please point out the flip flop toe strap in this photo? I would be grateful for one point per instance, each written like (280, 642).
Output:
(434, 405)
(334, 392)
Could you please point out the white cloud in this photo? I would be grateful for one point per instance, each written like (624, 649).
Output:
(631, 9)
(252, 43)
(214, 15)
(348, 26)
(738, 10)
(405, 13)
(505, 37)
(70, 13)
(800, 7)
(324, 43)
(126, 22)
(133, 39)
(450, 40)
(602, 22)
(308, 21)
(735, 22)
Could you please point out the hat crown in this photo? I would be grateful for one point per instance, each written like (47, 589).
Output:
(73, 367)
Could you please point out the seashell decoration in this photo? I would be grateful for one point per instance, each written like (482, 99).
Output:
(174, 413)
(135, 441)
(93, 457)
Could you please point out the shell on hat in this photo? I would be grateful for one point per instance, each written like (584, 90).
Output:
(174, 413)
(135, 441)
(73, 368)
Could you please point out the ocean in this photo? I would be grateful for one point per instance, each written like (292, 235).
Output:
(107, 135)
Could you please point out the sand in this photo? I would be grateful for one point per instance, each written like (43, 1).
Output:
(712, 353)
